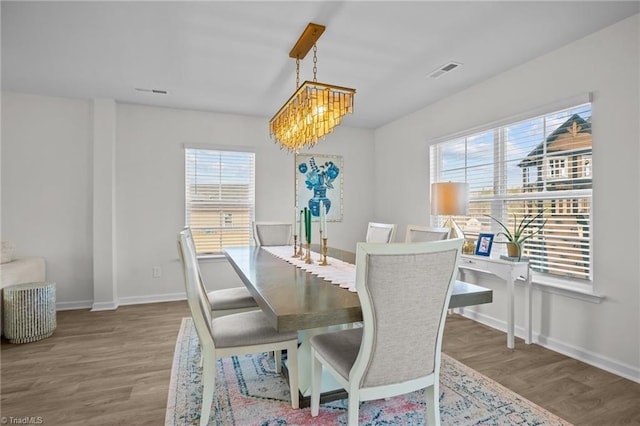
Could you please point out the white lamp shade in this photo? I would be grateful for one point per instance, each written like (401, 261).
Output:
(449, 198)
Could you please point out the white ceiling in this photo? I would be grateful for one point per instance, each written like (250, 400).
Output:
(232, 57)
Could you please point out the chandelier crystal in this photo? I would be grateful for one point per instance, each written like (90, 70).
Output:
(315, 109)
(311, 113)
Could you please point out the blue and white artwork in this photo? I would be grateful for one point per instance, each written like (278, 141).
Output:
(319, 179)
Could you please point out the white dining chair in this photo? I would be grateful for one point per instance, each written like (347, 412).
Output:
(380, 232)
(231, 335)
(420, 234)
(272, 233)
(225, 301)
(404, 291)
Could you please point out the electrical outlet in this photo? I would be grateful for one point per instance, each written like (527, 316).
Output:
(156, 271)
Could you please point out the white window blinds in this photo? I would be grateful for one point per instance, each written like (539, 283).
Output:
(219, 198)
(538, 165)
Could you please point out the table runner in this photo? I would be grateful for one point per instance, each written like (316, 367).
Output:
(336, 272)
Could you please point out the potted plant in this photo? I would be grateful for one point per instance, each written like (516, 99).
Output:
(522, 231)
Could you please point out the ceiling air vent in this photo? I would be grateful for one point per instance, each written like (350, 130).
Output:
(444, 69)
(156, 91)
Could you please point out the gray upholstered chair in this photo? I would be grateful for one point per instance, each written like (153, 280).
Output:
(226, 301)
(232, 300)
(237, 334)
(421, 234)
(272, 233)
(404, 291)
(380, 232)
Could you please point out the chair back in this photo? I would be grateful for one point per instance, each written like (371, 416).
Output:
(380, 232)
(404, 291)
(272, 233)
(196, 293)
(421, 234)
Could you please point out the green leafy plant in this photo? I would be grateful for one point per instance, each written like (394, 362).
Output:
(522, 230)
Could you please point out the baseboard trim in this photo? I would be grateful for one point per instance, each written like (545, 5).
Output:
(70, 306)
(612, 366)
(104, 306)
(109, 306)
(141, 300)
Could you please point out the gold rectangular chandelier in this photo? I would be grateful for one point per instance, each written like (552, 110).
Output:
(315, 109)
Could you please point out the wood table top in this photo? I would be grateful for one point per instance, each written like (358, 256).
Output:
(293, 299)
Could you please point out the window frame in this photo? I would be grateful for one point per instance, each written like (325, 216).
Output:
(580, 288)
(249, 200)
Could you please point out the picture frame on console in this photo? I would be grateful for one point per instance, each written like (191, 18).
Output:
(484, 244)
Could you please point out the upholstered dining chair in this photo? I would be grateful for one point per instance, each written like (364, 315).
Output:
(272, 233)
(237, 334)
(380, 232)
(404, 291)
(225, 301)
(420, 234)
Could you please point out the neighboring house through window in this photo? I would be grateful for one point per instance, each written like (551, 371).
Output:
(219, 198)
(537, 165)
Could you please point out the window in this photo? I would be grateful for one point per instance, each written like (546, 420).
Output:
(541, 164)
(557, 168)
(219, 198)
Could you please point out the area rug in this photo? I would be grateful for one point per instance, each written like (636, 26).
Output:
(249, 392)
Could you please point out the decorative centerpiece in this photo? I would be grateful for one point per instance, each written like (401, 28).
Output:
(307, 231)
(324, 234)
(522, 231)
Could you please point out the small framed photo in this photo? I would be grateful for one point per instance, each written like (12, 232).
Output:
(483, 247)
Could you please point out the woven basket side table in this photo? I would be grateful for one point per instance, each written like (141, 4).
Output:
(29, 311)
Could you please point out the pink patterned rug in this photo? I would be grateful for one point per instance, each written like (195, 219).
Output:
(249, 392)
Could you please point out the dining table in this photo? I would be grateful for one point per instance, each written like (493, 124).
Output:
(293, 299)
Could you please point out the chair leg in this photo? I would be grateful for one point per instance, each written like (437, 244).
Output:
(292, 361)
(278, 361)
(209, 385)
(432, 394)
(353, 409)
(316, 383)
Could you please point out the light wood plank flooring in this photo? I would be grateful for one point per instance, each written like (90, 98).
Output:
(113, 367)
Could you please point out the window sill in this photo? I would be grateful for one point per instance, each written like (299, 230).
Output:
(566, 288)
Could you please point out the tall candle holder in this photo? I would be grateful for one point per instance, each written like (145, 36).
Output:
(307, 259)
(324, 252)
(295, 246)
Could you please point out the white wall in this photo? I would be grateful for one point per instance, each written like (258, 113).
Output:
(150, 188)
(605, 63)
(46, 187)
(49, 186)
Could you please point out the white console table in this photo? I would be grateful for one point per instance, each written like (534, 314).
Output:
(510, 272)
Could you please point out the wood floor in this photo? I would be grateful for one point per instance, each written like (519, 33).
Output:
(113, 367)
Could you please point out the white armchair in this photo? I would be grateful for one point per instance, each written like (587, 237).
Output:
(419, 234)
(404, 290)
(272, 233)
(380, 232)
(237, 334)
(226, 301)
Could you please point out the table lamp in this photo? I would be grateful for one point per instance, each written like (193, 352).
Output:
(450, 199)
